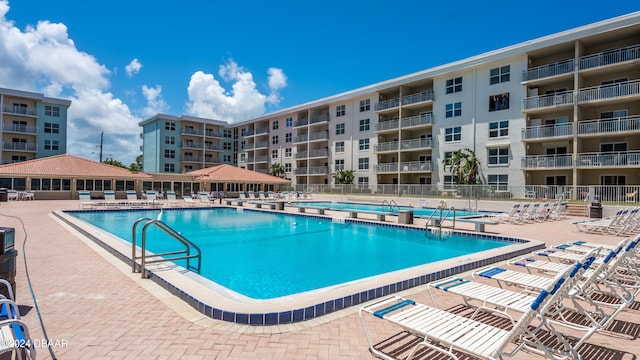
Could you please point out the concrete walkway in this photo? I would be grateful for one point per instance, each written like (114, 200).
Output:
(93, 308)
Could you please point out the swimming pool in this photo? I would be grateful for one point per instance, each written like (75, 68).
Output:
(220, 303)
(268, 255)
(417, 212)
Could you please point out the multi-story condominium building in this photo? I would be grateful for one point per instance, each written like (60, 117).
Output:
(33, 125)
(173, 144)
(559, 110)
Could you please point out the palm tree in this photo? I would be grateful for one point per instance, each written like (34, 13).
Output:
(465, 166)
(344, 177)
(278, 170)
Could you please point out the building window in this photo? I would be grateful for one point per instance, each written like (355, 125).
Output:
(339, 164)
(275, 125)
(498, 182)
(499, 129)
(226, 145)
(287, 152)
(274, 154)
(274, 139)
(171, 140)
(288, 137)
(226, 158)
(499, 102)
(499, 75)
(453, 134)
(169, 154)
(450, 181)
(498, 156)
(169, 125)
(339, 146)
(51, 145)
(226, 133)
(288, 122)
(243, 157)
(365, 105)
(18, 158)
(169, 168)
(363, 181)
(452, 110)
(365, 125)
(339, 129)
(340, 110)
(363, 144)
(454, 85)
(287, 167)
(363, 164)
(51, 128)
(51, 111)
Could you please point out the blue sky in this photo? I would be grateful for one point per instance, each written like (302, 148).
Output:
(122, 61)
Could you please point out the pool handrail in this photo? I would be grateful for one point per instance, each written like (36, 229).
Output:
(172, 233)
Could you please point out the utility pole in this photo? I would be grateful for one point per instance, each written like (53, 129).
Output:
(101, 141)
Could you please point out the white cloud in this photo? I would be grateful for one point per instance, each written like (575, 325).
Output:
(43, 58)
(133, 67)
(208, 98)
(155, 102)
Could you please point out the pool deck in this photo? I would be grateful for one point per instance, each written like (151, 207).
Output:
(93, 307)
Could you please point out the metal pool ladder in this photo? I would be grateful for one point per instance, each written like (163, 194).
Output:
(145, 258)
(442, 218)
(390, 204)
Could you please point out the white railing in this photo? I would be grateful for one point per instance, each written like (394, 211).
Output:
(387, 104)
(386, 146)
(609, 57)
(547, 70)
(18, 128)
(386, 168)
(418, 97)
(602, 126)
(556, 99)
(415, 144)
(318, 153)
(191, 131)
(423, 119)
(545, 131)
(301, 122)
(262, 144)
(319, 118)
(609, 159)
(262, 131)
(301, 138)
(415, 166)
(388, 125)
(20, 110)
(191, 145)
(19, 146)
(547, 161)
(609, 91)
(319, 135)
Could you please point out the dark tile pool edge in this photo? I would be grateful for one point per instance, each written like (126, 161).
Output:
(327, 307)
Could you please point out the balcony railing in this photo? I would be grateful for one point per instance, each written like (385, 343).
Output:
(191, 131)
(262, 144)
(547, 131)
(318, 153)
(547, 161)
(387, 168)
(301, 122)
(262, 131)
(423, 119)
(418, 97)
(319, 118)
(319, 135)
(613, 125)
(387, 104)
(387, 146)
(19, 146)
(548, 70)
(415, 166)
(262, 158)
(609, 91)
(556, 99)
(191, 145)
(20, 110)
(300, 138)
(18, 128)
(609, 57)
(412, 144)
(313, 170)
(387, 125)
(188, 158)
(609, 159)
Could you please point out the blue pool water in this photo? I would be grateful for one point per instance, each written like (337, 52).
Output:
(417, 212)
(264, 255)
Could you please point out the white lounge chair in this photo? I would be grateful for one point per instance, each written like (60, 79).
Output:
(152, 198)
(85, 200)
(204, 198)
(242, 195)
(512, 216)
(12, 194)
(445, 332)
(251, 195)
(171, 199)
(261, 195)
(188, 200)
(132, 198)
(110, 199)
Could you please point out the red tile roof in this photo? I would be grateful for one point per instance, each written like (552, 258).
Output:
(230, 173)
(66, 165)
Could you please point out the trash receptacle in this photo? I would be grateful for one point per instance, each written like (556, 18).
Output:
(595, 210)
(280, 205)
(8, 271)
(4, 197)
(405, 217)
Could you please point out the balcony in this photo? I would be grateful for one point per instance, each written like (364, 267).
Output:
(191, 158)
(547, 162)
(316, 153)
(19, 146)
(322, 135)
(545, 101)
(418, 120)
(549, 70)
(547, 131)
(387, 104)
(261, 131)
(387, 168)
(300, 138)
(414, 144)
(258, 159)
(20, 129)
(415, 166)
(609, 159)
(610, 57)
(609, 126)
(20, 110)
(214, 134)
(388, 125)
(301, 122)
(386, 147)
(604, 92)
(417, 98)
(212, 147)
(262, 144)
(191, 131)
(191, 145)
(314, 170)
(319, 119)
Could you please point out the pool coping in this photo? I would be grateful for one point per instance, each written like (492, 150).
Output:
(307, 305)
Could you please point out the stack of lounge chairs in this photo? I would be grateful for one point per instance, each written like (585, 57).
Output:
(579, 291)
(626, 221)
(14, 333)
(532, 212)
